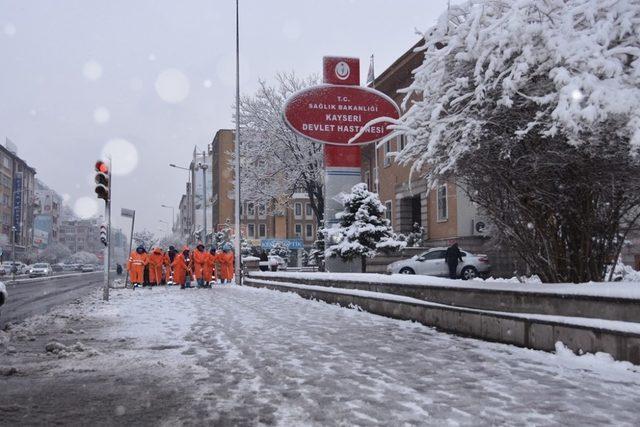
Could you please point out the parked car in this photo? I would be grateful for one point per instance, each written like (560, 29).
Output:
(57, 267)
(40, 269)
(87, 268)
(2, 270)
(20, 267)
(432, 263)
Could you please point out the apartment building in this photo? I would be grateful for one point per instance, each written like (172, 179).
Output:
(294, 222)
(47, 215)
(17, 201)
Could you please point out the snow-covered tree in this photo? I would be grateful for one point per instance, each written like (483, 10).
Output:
(275, 161)
(533, 107)
(144, 238)
(304, 258)
(83, 257)
(316, 253)
(363, 229)
(54, 253)
(282, 250)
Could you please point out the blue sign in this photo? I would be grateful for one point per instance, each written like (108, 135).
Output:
(17, 203)
(290, 243)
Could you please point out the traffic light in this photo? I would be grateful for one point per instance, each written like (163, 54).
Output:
(102, 180)
(104, 235)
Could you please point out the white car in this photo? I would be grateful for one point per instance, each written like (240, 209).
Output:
(432, 263)
(87, 268)
(278, 262)
(3, 294)
(40, 269)
(21, 268)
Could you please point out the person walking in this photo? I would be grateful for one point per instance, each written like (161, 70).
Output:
(210, 267)
(155, 266)
(170, 255)
(199, 261)
(136, 264)
(452, 255)
(226, 259)
(181, 267)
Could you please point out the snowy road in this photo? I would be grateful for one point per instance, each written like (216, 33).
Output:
(247, 356)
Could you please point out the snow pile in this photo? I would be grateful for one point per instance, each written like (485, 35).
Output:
(521, 279)
(599, 362)
(62, 350)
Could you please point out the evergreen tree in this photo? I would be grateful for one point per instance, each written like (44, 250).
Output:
(363, 227)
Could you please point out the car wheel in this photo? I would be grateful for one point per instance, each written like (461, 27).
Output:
(469, 273)
(407, 270)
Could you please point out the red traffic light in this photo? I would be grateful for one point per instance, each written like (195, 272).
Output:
(102, 167)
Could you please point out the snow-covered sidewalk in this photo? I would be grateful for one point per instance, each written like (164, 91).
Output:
(243, 355)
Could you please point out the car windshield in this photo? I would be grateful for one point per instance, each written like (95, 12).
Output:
(40, 266)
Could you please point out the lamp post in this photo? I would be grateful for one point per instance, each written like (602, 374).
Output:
(13, 252)
(237, 151)
(173, 215)
(204, 168)
(191, 218)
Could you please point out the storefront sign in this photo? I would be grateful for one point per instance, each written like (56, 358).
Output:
(17, 203)
(290, 243)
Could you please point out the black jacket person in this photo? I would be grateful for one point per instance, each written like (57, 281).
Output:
(452, 256)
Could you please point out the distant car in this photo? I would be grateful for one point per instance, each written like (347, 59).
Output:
(57, 267)
(87, 268)
(40, 269)
(20, 267)
(78, 267)
(432, 263)
(2, 270)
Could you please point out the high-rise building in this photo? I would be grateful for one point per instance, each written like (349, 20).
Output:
(47, 215)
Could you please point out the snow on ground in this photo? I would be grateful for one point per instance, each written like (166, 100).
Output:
(603, 289)
(242, 355)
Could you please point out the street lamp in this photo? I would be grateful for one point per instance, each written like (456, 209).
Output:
(204, 168)
(173, 215)
(191, 215)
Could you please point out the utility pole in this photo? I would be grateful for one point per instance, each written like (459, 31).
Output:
(129, 213)
(237, 152)
(204, 168)
(13, 252)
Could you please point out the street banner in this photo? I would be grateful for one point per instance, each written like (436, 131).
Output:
(129, 213)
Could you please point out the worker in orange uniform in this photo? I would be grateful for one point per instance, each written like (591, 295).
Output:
(156, 261)
(137, 261)
(210, 267)
(226, 264)
(181, 267)
(199, 259)
(169, 256)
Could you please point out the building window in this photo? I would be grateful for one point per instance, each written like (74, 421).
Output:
(298, 210)
(389, 206)
(309, 211)
(374, 185)
(443, 209)
(241, 209)
(262, 211)
(250, 210)
(386, 160)
(298, 229)
(262, 229)
(403, 142)
(251, 230)
(309, 231)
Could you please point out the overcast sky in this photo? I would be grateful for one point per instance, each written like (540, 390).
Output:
(77, 74)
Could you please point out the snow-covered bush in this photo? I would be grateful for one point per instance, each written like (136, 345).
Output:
(533, 108)
(363, 228)
(282, 250)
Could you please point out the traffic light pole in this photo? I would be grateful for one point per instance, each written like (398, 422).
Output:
(107, 252)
